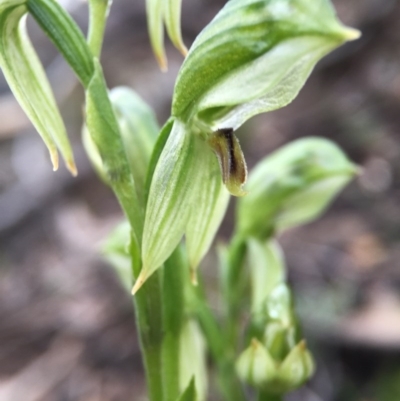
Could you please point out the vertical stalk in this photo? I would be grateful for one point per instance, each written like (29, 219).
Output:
(148, 311)
(220, 350)
(98, 12)
(173, 315)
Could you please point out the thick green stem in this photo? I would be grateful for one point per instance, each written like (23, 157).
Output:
(98, 12)
(173, 315)
(148, 308)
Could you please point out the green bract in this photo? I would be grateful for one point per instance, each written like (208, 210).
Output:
(293, 186)
(186, 196)
(28, 82)
(254, 57)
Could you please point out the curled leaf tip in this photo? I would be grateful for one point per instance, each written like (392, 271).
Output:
(139, 282)
(193, 277)
(71, 166)
(231, 160)
(54, 159)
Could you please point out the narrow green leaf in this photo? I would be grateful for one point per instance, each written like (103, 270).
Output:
(28, 82)
(293, 186)
(173, 24)
(155, 13)
(103, 128)
(139, 130)
(254, 57)
(169, 202)
(66, 36)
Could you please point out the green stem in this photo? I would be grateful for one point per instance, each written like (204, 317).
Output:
(264, 396)
(173, 315)
(98, 12)
(233, 288)
(148, 310)
(220, 350)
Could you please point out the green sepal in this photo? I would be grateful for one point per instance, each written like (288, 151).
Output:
(254, 57)
(104, 131)
(139, 129)
(293, 186)
(28, 82)
(66, 36)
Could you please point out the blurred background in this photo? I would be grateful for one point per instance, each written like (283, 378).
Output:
(67, 329)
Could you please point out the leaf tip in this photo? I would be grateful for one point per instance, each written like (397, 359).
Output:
(54, 159)
(162, 62)
(139, 282)
(71, 166)
(350, 34)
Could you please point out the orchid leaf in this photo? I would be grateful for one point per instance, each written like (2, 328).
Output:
(254, 57)
(28, 82)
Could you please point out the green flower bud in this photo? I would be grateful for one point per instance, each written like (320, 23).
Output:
(297, 368)
(254, 57)
(293, 186)
(27, 80)
(258, 368)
